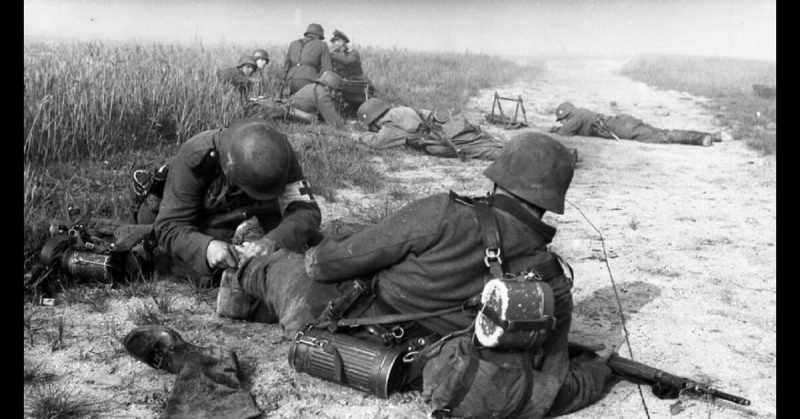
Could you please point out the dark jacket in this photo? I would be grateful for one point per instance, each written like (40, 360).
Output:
(306, 59)
(236, 78)
(196, 190)
(578, 122)
(428, 256)
(347, 64)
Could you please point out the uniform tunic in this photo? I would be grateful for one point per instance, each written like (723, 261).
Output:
(582, 122)
(347, 64)
(235, 77)
(395, 126)
(196, 189)
(313, 98)
(306, 59)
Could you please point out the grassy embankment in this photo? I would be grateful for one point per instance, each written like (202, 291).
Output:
(95, 112)
(728, 82)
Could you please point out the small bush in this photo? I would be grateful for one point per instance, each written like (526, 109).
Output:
(144, 313)
(53, 401)
(34, 373)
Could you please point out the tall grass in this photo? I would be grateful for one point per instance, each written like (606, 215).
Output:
(728, 81)
(94, 112)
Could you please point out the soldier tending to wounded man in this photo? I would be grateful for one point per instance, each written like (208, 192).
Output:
(427, 257)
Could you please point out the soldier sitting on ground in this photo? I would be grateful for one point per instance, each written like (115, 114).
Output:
(430, 257)
(231, 194)
(580, 121)
(437, 133)
(260, 76)
(241, 76)
(307, 58)
(347, 64)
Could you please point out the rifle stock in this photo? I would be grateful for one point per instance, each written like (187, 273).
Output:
(664, 384)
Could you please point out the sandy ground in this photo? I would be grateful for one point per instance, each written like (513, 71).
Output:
(689, 237)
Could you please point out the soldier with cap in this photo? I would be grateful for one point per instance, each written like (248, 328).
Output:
(347, 64)
(221, 178)
(580, 121)
(429, 257)
(241, 76)
(307, 58)
(437, 132)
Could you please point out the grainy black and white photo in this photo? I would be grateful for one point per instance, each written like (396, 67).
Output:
(400, 209)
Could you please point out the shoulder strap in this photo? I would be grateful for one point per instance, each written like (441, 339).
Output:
(490, 234)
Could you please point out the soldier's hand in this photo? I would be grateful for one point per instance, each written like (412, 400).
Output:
(220, 254)
(260, 247)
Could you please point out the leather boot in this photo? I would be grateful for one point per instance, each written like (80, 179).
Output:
(161, 347)
(232, 300)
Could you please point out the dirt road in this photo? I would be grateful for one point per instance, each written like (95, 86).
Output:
(689, 236)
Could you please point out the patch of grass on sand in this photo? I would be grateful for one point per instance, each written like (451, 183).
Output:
(729, 82)
(50, 401)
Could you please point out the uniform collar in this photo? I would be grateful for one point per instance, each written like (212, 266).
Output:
(510, 205)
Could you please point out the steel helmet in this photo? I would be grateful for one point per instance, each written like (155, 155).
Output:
(316, 29)
(563, 110)
(371, 110)
(536, 168)
(246, 60)
(331, 79)
(255, 157)
(260, 53)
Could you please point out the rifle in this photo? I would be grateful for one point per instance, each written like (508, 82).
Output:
(435, 132)
(664, 384)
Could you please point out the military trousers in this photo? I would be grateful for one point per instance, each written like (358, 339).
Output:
(587, 381)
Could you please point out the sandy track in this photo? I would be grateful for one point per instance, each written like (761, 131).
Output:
(689, 235)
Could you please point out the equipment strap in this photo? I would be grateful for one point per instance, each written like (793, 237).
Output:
(490, 235)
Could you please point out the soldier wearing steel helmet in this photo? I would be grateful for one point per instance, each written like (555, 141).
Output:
(321, 97)
(437, 133)
(428, 257)
(247, 168)
(580, 121)
(241, 76)
(307, 58)
(260, 76)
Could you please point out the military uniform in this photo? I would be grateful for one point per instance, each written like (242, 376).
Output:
(347, 64)
(429, 256)
(314, 98)
(587, 123)
(306, 59)
(403, 125)
(196, 190)
(234, 76)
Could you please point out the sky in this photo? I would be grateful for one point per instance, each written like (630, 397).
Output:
(731, 28)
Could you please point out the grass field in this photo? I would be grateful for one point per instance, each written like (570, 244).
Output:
(95, 112)
(728, 81)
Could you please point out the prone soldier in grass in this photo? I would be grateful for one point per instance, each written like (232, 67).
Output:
(437, 134)
(580, 121)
